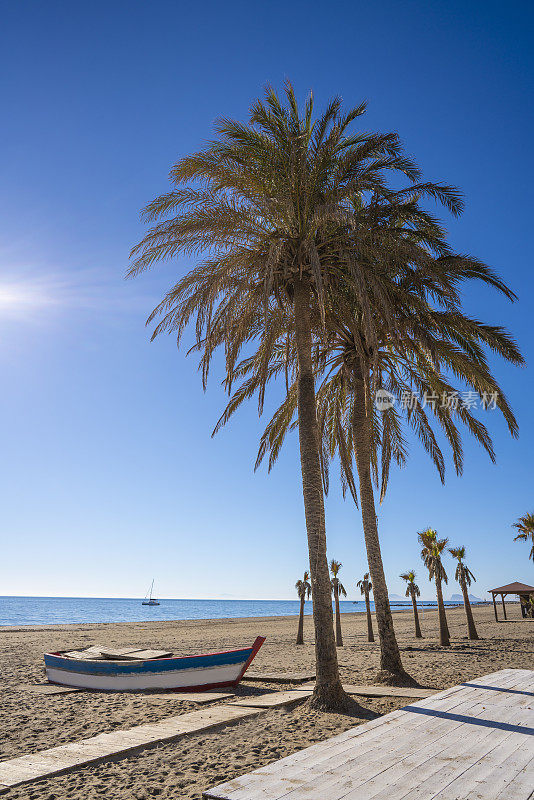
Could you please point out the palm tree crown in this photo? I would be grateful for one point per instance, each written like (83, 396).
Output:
(413, 346)
(365, 585)
(431, 554)
(267, 202)
(463, 574)
(335, 566)
(525, 526)
(412, 589)
(303, 587)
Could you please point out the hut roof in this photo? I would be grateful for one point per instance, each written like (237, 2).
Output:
(513, 588)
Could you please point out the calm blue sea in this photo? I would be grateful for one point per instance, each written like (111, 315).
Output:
(71, 610)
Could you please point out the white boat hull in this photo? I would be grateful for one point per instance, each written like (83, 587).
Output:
(133, 683)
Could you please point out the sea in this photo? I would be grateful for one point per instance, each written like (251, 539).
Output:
(23, 611)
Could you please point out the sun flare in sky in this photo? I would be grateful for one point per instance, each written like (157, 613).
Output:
(18, 298)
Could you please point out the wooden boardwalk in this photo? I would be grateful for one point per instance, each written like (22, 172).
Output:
(278, 677)
(106, 746)
(274, 700)
(379, 691)
(470, 742)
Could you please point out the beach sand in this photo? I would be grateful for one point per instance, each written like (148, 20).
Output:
(31, 722)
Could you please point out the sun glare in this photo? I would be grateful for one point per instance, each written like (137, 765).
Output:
(17, 298)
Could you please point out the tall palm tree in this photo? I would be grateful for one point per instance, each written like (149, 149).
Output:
(303, 588)
(431, 555)
(525, 526)
(464, 576)
(412, 591)
(337, 589)
(365, 586)
(267, 205)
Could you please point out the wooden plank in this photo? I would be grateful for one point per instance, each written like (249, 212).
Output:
(274, 699)
(520, 785)
(388, 691)
(133, 653)
(147, 655)
(117, 653)
(380, 691)
(459, 738)
(280, 677)
(191, 697)
(199, 698)
(489, 776)
(88, 653)
(81, 655)
(66, 758)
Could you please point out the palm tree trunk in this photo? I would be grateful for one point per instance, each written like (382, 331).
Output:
(370, 634)
(328, 692)
(300, 633)
(444, 636)
(418, 634)
(469, 613)
(339, 637)
(390, 660)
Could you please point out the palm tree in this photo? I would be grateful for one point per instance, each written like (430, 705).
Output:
(412, 590)
(464, 576)
(267, 204)
(365, 587)
(525, 526)
(303, 588)
(431, 555)
(337, 589)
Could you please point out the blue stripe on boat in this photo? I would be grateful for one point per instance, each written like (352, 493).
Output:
(157, 665)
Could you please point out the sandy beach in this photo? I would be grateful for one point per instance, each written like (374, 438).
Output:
(31, 722)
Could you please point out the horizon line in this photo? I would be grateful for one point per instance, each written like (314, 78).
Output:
(209, 599)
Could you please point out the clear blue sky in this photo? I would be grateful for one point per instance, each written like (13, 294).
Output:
(108, 473)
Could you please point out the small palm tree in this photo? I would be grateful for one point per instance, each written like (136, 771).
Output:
(464, 576)
(365, 587)
(303, 588)
(337, 589)
(412, 590)
(525, 526)
(431, 555)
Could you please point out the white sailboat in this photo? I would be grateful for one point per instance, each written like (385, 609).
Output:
(149, 600)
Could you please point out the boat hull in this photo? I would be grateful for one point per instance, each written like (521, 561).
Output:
(190, 673)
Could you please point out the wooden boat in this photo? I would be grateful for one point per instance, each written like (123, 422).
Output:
(149, 600)
(135, 670)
